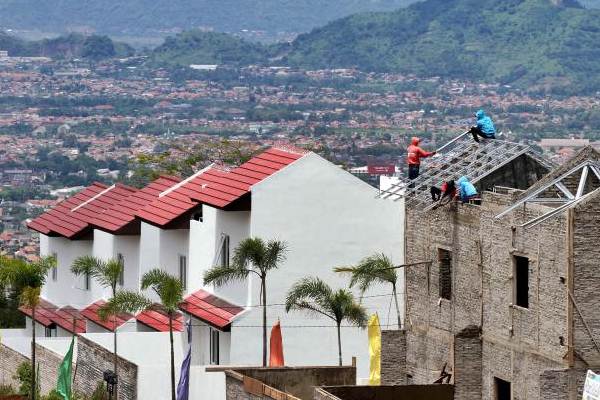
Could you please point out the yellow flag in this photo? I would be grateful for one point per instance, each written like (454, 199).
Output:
(375, 350)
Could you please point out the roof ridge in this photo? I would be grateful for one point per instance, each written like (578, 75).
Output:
(185, 181)
(289, 148)
(97, 195)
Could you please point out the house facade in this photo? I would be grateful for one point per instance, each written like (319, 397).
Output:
(326, 216)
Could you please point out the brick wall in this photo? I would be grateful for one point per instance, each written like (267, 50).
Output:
(393, 357)
(517, 344)
(47, 361)
(9, 362)
(468, 363)
(93, 360)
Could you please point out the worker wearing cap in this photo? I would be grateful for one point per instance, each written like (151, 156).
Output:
(415, 153)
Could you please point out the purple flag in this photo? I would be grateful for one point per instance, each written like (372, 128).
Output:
(183, 388)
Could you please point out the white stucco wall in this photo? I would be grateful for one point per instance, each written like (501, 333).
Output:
(153, 366)
(205, 241)
(328, 218)
(67, 289)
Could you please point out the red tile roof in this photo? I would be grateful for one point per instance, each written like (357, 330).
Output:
(72, 216)
(158, 320)
(91, 313)
(64, 316)
(44, 312)
(217, 186)
(210, 309)
(118, 216)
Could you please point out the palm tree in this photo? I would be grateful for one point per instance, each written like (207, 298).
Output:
(315, 296)
(170, 292)
(27, 279)
(252, 255)
(107, 274)
(377, 268)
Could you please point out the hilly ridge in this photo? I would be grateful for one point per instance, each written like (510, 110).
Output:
(139, 17)
(545, 43)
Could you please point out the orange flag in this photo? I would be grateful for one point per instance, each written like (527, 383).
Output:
(276, 353)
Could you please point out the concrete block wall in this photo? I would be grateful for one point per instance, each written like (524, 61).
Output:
(93, 360)
(393, 357)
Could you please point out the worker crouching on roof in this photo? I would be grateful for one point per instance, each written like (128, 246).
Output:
(485, 127)
(415, 153)
(466, 190)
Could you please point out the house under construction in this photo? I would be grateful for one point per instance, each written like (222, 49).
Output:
(503, 300)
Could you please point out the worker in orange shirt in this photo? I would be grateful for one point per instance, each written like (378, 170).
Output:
(415, 153)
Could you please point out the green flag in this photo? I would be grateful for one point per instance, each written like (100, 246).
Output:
(63, 387)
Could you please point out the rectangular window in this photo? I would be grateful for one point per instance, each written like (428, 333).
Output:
(502, 389)
(121, 260)
(51, 331)
(225, 250)
(55, 268)
(521, 281)
(445, 275)
(214, 346)
(183, 271)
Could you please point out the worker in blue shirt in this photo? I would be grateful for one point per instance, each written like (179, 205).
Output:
(485, 127)
(466, 190)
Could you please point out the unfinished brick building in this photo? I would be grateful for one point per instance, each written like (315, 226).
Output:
(506, 300)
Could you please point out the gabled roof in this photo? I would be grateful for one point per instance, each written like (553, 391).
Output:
(118, 217)
(91, 313)
(44, 312)
(158, 320)
(210, 309)
(72, 217)
(217, 186)
(65, 316)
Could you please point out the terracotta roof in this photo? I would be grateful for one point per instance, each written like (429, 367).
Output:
(44, 312)
(72, 216)
(64, 316)
(122, 213)
(217, 186)
(158, 320)
(91, 313)
(210, 309)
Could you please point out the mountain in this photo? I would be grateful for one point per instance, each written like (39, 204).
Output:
(139, 17)
(553, 42)
(70, 46)
(198, 47)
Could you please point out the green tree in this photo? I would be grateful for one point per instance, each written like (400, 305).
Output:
(169, 290)
(107, 274)
(28, 279)
(371, 270)
(315, 296)
(252, 255)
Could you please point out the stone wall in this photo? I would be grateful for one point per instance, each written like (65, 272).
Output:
(517, 344)
(93, 360)
(393, 357)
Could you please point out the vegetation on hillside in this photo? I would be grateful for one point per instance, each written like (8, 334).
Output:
(74, 45)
